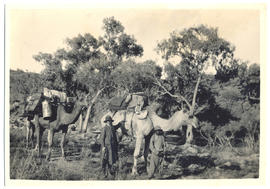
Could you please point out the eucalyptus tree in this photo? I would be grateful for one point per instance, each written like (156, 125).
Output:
(196, 49)
(95, 59)
(85, 65)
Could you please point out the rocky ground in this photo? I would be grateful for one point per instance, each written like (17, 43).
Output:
(82, 161)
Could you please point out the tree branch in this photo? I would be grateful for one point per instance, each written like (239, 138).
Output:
(195, 95)
(172, 95)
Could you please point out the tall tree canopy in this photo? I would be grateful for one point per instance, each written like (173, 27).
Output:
(87, 62)
(197, 48)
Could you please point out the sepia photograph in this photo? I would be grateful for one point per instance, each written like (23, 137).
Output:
(155, 92)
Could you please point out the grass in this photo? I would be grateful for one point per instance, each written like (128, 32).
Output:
(83, 161)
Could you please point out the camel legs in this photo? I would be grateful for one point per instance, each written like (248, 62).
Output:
(136, 154)
(146, 149)
(50, 142)
(39, 133)
(28, 133)
(64, 133)
(189, 134)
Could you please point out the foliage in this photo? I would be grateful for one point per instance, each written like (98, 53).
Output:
(196, 48)
(102, 66)
(117, 43)
(23, 84)
(136, 77)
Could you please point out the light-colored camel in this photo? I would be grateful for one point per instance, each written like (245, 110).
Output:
(61, 123)
(141, 128)
(136, 127)
(175, 122)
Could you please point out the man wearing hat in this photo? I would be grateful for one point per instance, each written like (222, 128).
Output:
(157, 147)
(109, 147)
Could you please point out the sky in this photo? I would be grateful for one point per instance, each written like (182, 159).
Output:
(30, 31)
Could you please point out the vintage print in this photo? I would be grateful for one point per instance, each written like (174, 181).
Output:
(133, 94)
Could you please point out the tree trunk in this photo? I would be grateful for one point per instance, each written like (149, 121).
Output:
(85, 123)
(80, 123)
(189, 134)
(195, 95)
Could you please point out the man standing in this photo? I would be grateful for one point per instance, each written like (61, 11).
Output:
(157, 147)
(109, 147)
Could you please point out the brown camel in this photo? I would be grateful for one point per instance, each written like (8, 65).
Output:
(60, 123)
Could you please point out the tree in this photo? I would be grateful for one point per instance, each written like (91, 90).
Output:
(110, 49)
(197, 48)
(118, 44)
(23, 84)
(52, 75)
(85, 66)
(252, 82)
(134, 77)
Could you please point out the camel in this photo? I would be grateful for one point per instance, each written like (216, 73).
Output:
(175, 122)
(60, 123)
(30, 131)
(141, 127)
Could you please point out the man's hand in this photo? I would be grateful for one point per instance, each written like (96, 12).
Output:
(103, 149)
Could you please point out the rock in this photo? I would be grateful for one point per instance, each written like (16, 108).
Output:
(228, 164)
(243, 163)
(192, 150)
(205, 154)
(193, 167)
(92, 142)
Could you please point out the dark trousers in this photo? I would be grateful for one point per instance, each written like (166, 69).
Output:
(155, 165)
(108, 161)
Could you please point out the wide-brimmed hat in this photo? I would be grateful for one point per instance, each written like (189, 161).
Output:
(108, 118)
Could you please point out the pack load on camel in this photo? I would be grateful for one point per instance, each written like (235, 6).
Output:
(141, 122)
(44, 101)
(135, 101)
(64, 112)
(129, 104)
(129, 113)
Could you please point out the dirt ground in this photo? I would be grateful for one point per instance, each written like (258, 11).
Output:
(83, 151)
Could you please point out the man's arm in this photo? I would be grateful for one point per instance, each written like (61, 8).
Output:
(152, 146)
(102, 137)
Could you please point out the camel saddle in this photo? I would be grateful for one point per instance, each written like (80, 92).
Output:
(32, 102)
(142, 114)
(129, 101)
(119, 103)
(62, 96)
